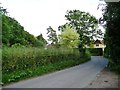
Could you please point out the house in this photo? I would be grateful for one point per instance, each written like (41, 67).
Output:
(97, 44)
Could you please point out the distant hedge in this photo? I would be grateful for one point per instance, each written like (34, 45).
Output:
(95, 51)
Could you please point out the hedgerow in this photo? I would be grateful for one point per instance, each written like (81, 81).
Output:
(20, 63)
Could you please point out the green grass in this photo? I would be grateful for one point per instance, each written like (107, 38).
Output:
(22, 63)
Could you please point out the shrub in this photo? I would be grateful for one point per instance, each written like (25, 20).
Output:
(17, 45)
(115, 67)
(95, 51)
(24, 58)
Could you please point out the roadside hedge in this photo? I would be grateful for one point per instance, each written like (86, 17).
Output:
(22, 63)
(23, 58)
(95, 51)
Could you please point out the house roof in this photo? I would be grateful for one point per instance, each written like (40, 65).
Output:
(97, 42)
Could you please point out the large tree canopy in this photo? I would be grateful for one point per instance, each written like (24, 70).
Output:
(112, 36)
(13, 32)
(85, 24)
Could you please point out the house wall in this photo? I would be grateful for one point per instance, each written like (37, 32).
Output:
(100, 46)
(94, 46)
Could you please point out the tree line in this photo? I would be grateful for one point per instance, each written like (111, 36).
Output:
(111, 22)
(80, 30)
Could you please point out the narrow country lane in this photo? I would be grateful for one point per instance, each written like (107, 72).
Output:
(76, 77)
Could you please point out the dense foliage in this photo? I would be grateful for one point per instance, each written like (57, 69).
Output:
(95, 51)
(41, 40)
(85, 24)
(20, 62)
(112, 37)
(13, 32)
(69, 38)
(23, 58)
(24, 62)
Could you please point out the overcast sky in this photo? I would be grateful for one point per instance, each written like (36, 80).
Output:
(37, 15)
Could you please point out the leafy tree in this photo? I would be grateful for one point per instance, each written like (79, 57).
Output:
(85, 24)
(41, 40)
(13, 33)
(69, 37)
(111, 17)
(62, 27)
(40, 37)
(52, 36)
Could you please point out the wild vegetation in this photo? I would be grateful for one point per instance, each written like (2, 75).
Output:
(111, 17)
(20, 63)
(69, 37)
(86, 26)
(13, 32)
(95, 51)
(24, 55)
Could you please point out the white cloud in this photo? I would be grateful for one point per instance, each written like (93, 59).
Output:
(37, 15)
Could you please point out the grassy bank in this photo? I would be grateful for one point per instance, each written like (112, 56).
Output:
(22, 63)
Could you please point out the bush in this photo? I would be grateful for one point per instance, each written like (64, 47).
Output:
(16, 45)
(95, 51)
(115, 67)
(24, 58)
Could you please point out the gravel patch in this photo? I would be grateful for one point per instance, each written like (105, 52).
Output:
(105, 79)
